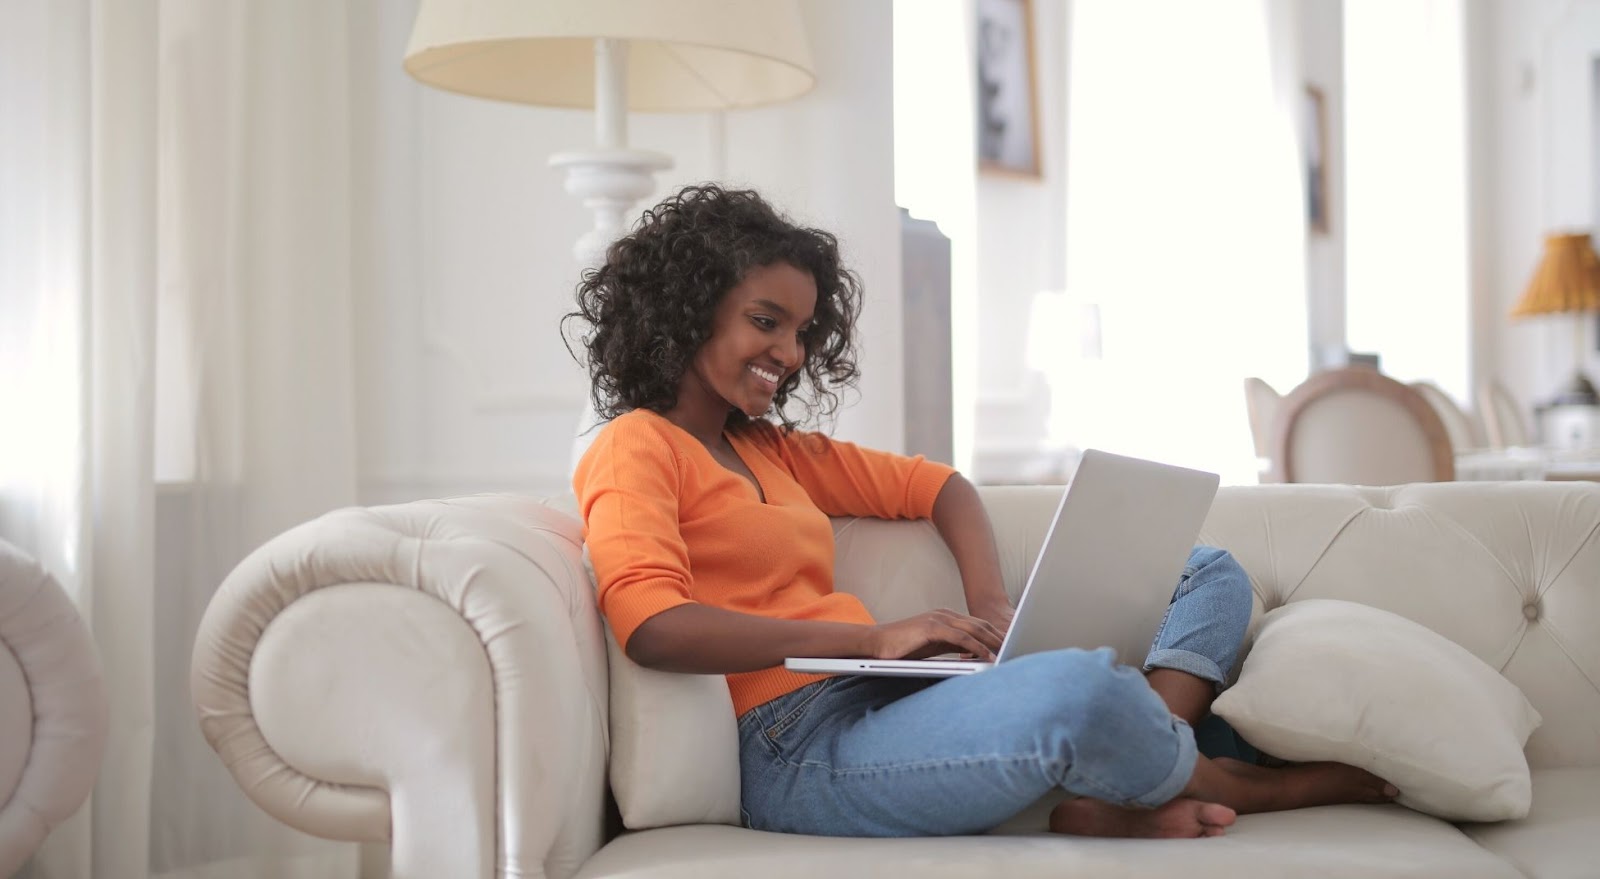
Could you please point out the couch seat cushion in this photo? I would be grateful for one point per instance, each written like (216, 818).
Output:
(1373, 842)
(1561, 835)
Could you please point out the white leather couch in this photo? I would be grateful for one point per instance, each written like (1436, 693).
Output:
(435, 674)
(52, 707)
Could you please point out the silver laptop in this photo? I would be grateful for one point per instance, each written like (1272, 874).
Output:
(1124, 527)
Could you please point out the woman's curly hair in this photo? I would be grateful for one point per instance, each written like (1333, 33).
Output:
(649, 307)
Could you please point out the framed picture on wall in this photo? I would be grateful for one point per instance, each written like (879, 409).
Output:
(1007, 111)
(1314, 144)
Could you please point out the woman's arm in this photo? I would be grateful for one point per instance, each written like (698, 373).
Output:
(959, 515)
(700, 639)
(891, 486)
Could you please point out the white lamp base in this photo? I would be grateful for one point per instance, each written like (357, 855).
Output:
(610, 182)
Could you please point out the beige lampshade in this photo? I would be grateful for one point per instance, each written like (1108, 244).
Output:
(682, 54)
(1568, 278)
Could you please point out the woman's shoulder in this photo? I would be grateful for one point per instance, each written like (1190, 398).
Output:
(635, 421)
(634, 432)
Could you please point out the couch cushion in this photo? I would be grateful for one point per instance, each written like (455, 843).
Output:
(669, 758)
(1560, 838)
(1510, 571)
(1336, 680)
(1374, 842)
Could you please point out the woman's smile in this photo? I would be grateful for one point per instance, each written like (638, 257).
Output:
(768, 378)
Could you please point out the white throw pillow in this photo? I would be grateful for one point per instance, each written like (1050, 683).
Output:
(674, 746)
(1337, 680)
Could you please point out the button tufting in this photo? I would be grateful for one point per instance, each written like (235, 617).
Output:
(1531, 610)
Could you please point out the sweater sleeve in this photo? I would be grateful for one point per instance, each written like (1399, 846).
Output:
(844, 479)
(627, 486)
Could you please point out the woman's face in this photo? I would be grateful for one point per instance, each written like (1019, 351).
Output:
(755, 339)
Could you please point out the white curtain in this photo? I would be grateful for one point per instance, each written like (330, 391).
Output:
(182, 236)
(1185, 227)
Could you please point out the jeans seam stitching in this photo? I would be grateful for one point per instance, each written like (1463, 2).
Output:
(793, 716)
(928, 764)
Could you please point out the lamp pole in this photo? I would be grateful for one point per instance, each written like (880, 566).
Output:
(610, 178)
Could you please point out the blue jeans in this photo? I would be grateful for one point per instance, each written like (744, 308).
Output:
(878, 756)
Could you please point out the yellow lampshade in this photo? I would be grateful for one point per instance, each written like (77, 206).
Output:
(1568, 278)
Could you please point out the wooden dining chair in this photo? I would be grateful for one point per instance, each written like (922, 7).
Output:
(1464, 431)
(1503, 425)
(1360, 427)
(1261, 402)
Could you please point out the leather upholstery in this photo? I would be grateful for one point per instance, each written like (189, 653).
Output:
(424, 664)
(52, 707)
(1372, 842)
(664, 766)
(507, 568)
(360, 709)
(1558, 839)
(16, 721)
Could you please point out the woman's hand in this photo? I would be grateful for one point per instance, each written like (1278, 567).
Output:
(996, 613)
(933, 633)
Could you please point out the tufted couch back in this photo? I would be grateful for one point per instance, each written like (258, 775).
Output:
(1510, 571)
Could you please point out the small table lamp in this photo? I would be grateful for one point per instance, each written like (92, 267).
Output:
(613, 55)
(1567, 280)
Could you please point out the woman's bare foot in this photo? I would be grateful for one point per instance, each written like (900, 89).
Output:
(1249, 788)
(1175, 819)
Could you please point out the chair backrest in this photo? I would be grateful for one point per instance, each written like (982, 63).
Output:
(1261, 403)
(1503, 426)
(1357, 426)
(1464, 432)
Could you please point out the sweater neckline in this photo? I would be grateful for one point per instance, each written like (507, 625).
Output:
(734, 441)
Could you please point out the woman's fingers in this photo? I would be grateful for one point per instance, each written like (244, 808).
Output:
(938, 631)
(981, 629)
(964, 640)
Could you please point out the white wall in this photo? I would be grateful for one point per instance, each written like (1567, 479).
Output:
(464, 383)
(1021, 252)
(1532, 157)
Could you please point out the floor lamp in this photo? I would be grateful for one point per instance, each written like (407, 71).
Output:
(613, 55)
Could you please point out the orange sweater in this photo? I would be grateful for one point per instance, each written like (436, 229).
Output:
(668, 525)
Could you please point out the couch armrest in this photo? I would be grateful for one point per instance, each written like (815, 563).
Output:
(53, 711)
(431, 673)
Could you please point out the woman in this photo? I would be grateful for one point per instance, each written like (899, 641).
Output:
(707, 524)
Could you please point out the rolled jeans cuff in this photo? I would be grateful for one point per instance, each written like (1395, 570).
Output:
(1185, 661)
(1182, 769)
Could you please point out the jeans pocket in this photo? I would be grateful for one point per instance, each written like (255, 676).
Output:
(794, 714)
